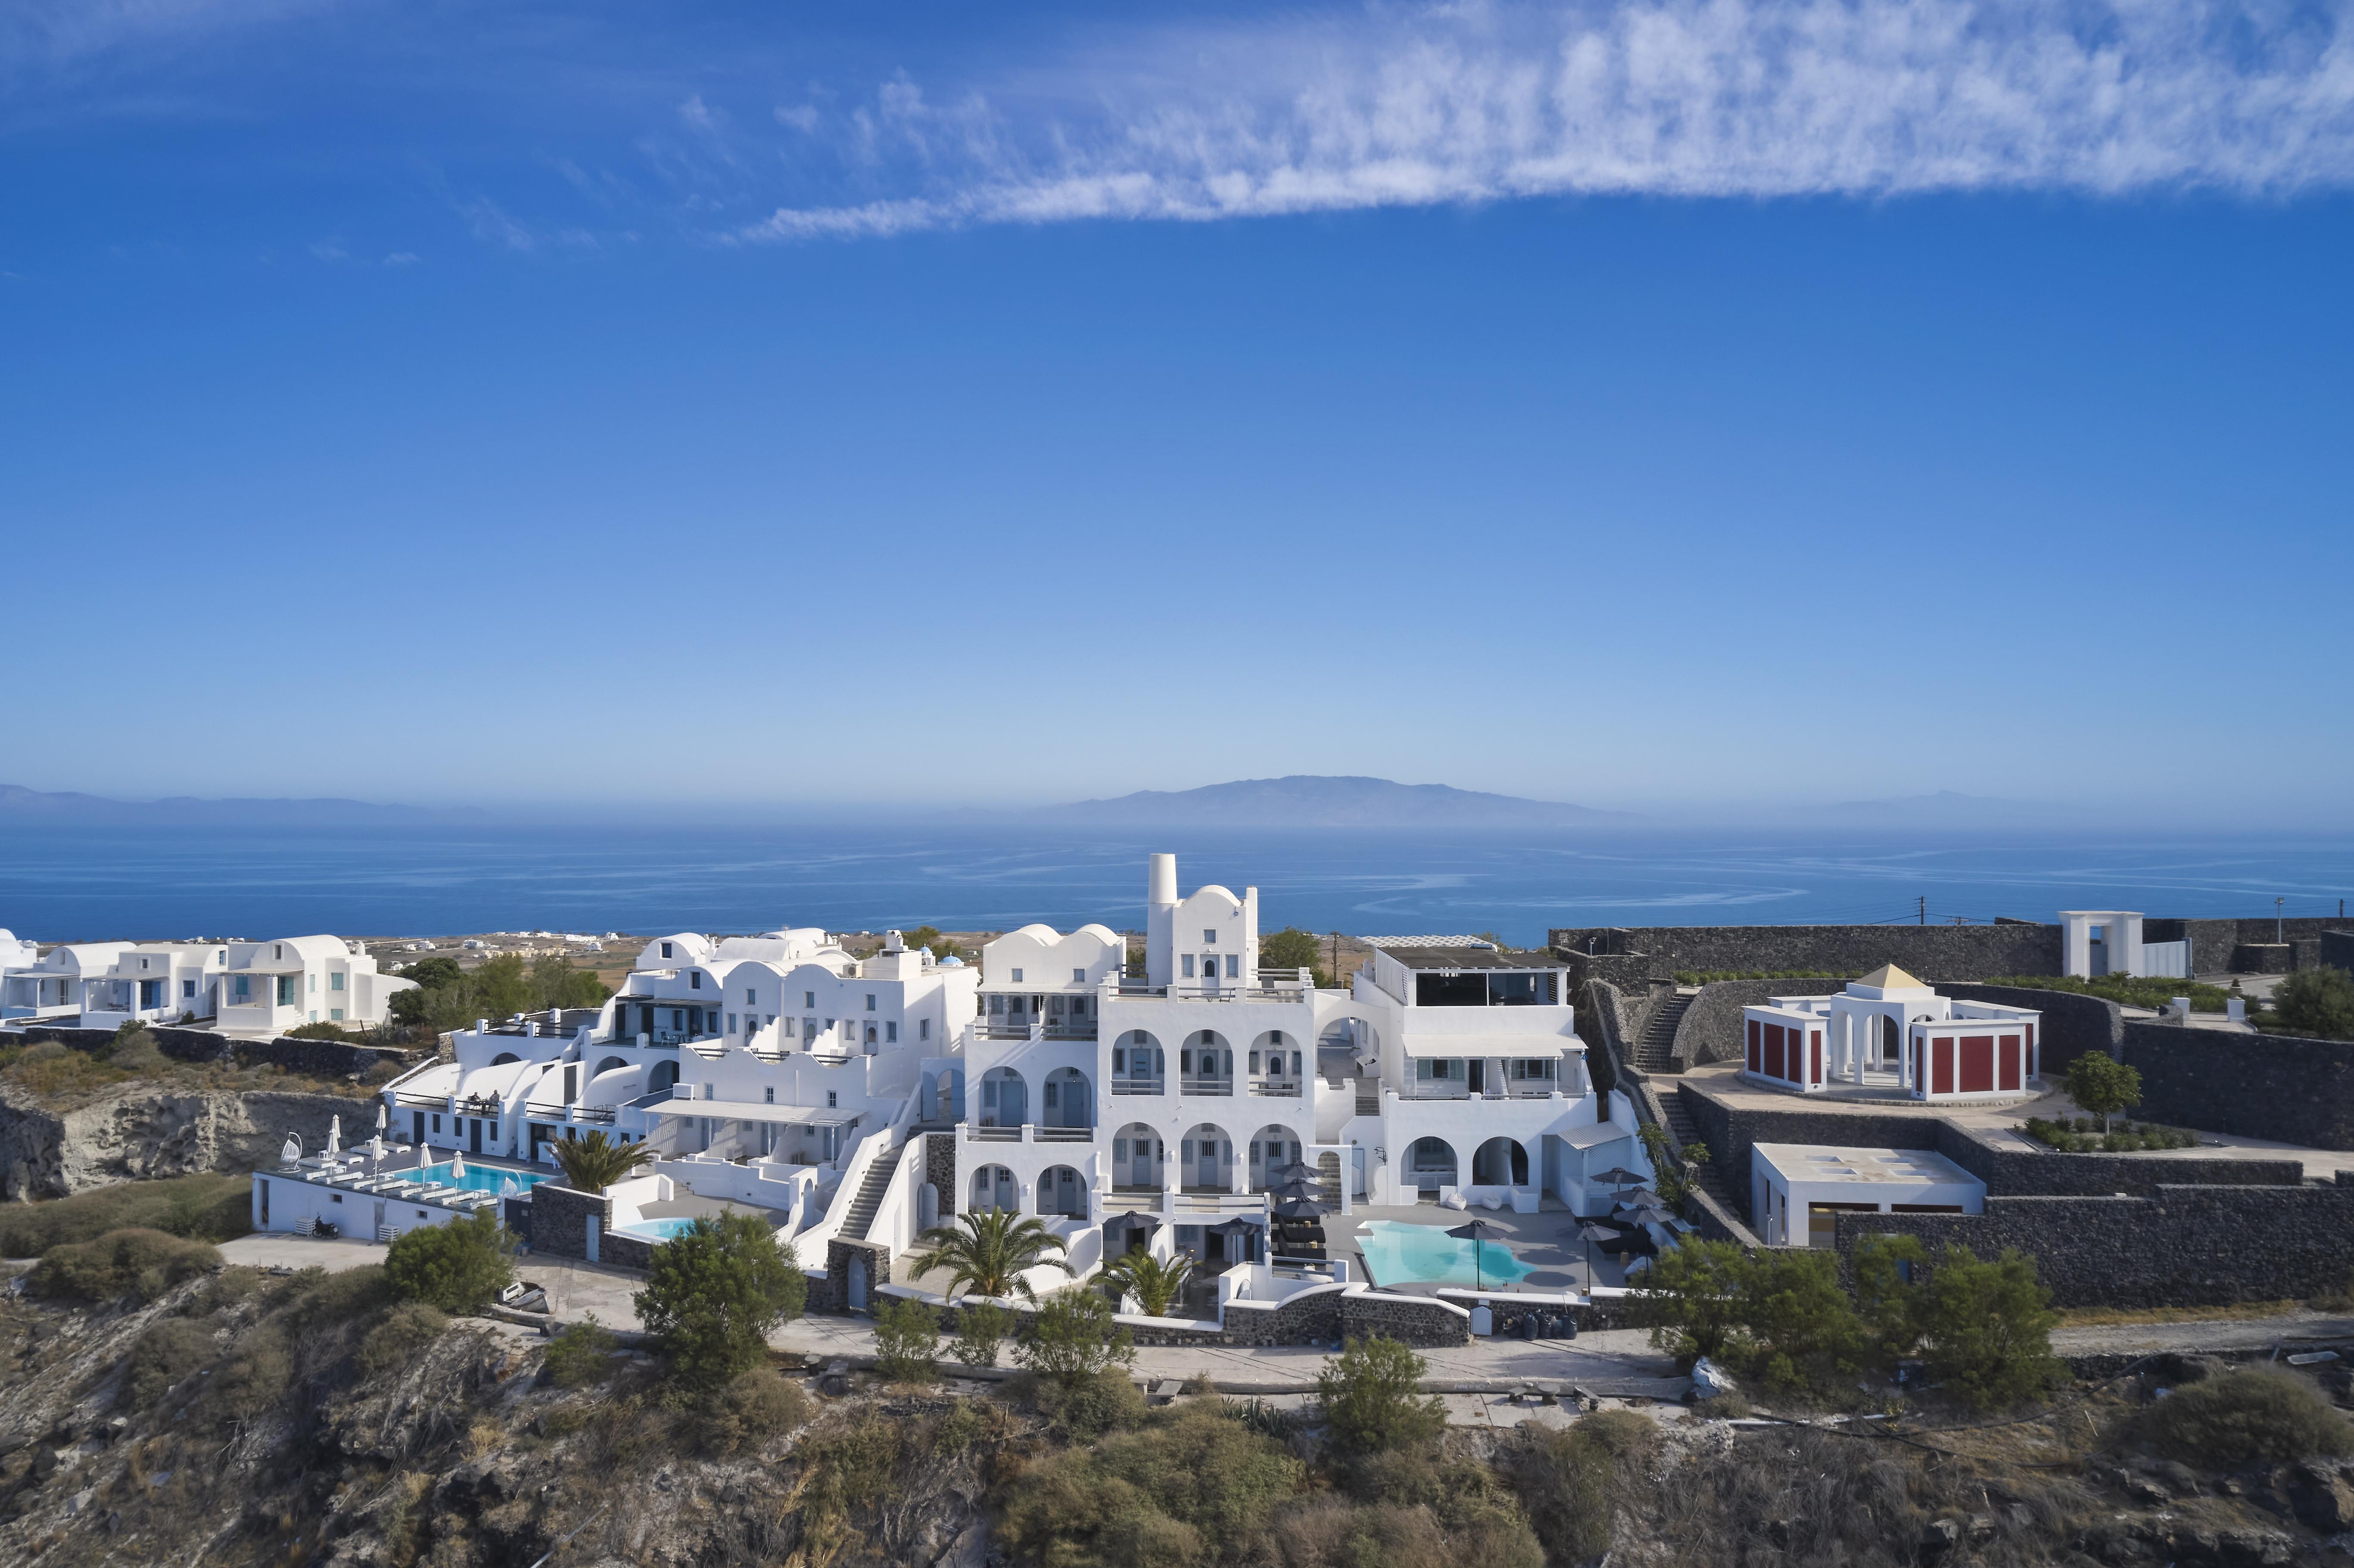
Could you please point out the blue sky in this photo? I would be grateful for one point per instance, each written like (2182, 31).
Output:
(1642, 405)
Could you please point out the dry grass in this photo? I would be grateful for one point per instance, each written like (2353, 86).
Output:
(2114, 1316)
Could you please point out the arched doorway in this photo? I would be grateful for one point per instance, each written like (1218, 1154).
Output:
(1062, 1190)
(1205, 1064)
(1205, 1158)
(1430, 1164)
(1500, 1163)
(1139, 1065)
(1271, 1149)
(994, 1187)
(1066, 1100)
(1004, 1099)
(1137, 1159)
(664, 1076)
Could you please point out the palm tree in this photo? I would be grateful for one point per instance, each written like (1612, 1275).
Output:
(595, 1162)
(1155, 1285)
(986, 1253)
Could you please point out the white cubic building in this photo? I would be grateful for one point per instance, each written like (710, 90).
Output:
(51, 986)
(1798, 1190)
(268, 988)
(157, 982)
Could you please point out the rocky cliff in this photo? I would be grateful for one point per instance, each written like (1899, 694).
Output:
(140, 1130)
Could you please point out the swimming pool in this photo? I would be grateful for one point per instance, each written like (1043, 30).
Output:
(666, 1229)
(478, 1178)
(1396, 1251)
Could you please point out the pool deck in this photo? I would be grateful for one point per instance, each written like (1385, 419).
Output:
(688, 1206)
(1547, 1239)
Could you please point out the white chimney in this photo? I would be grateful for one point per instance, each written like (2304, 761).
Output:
(1160, 919)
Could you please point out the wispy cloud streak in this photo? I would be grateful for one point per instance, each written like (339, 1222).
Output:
(1682, 98)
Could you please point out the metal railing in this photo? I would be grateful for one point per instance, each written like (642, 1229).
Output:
(1282, 1089)
(1067, 1135)
(1188, 1085)
(976, 1133)
(1140, 1085)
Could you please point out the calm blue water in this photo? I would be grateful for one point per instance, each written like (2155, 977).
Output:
(478, 1178)
(1395, 1250)
(658, 1230)
(90, 884)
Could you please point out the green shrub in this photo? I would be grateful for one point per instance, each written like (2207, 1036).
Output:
(2083, 1135)
(580, 1354)
(459, 1267)
(713, 1294)
(2255, 1413)
(314, 1298)
(1197, 1489)
(165, 1353)
(2316, 1001)
(906, 1339)
(1710, 977)
(323, 1030)
(1563, 1481)
(982, 1328)
(47, 1068)
(1088, 1407)
(144, 1262)
(1372, 1398)
(1987, 1328)
(405, 1330)
(256, 1375)
(209, 1207)
(752, 1408)
(134, 1050)
(2130, 990)
(1071, 1337)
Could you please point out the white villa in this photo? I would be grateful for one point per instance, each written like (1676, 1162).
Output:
(50, 986)
(1798, 1192)
(1890, 1028)
(268, 988)
(159, 982)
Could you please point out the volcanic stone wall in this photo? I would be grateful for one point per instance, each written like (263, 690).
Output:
(1930, 952)
(2257, 1085)
(2179, 1246)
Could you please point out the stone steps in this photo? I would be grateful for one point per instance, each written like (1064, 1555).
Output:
(1653, 1051)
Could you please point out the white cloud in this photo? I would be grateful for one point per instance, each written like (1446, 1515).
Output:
(402, 259)
(329, 251)
(1688, 98)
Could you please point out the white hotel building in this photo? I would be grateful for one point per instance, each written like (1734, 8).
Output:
(1450, 1069)
(782, 1073)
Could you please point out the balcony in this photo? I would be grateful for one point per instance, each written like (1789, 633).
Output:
(1280, 1088)
(975, 1133)
(1196, 1086)
(1067, 1135)
(1140, 1085)
(986, 1028)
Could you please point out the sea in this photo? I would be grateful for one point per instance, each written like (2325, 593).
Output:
(154, 883)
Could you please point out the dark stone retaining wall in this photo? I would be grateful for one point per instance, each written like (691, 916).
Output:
(1729, 1131)
(1932, 952)
(559, 1220)
(2180, 1246)
(940, 1171)
(1710, 1030)
(2072, 1025)
(1631, 972)
(2335, 949)
(2219, 945)
(318, 1058)
(2272, 1086)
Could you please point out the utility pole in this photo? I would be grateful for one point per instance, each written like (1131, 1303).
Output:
(1924, 909)
(2277, 918)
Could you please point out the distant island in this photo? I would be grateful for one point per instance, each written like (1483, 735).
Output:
(23, 807)
(1315, 800)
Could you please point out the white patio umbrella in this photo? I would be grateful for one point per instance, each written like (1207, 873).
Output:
(380, 1120)
(457, 1165)
(334, 1136)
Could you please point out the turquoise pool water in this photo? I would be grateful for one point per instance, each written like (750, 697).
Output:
(657, 1230)
(478, 1178)
(1395, 1251)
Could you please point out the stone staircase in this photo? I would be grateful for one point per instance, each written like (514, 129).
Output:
(1680, 1122)
(1653, 1051)
(871, 1191)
